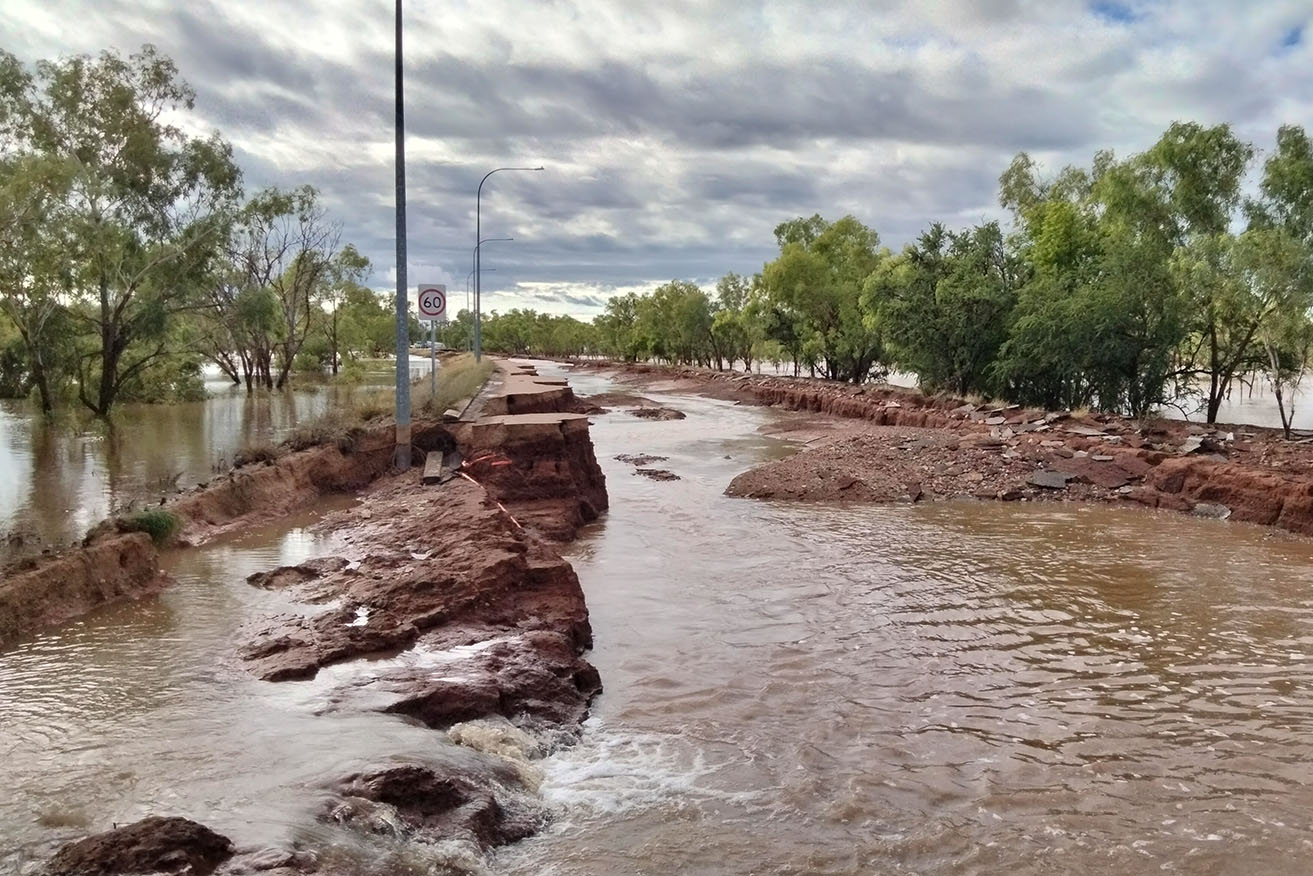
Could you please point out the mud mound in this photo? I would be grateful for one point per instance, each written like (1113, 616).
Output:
(605, 400)
(640, 458)
(480, 571)
(152, 846)
(537, 675)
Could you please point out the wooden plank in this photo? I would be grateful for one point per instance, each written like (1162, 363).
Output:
(432, 469)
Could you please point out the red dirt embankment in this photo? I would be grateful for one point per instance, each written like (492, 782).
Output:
(49, 590)
(884, 443)
(463, 576)
(111, 565)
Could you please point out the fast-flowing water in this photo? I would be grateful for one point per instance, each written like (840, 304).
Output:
(945, 688)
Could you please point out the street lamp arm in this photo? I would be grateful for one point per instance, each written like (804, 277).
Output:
(478, 242)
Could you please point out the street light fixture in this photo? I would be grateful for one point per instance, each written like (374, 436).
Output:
(478, 241)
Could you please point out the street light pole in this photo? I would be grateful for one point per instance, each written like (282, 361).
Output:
(401, 452)
(468, 278)
(478, 232)
(475, 259)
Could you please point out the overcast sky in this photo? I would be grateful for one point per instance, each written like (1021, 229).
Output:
(677, 134)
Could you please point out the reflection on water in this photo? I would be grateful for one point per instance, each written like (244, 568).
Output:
(944, 688)
(57, 481)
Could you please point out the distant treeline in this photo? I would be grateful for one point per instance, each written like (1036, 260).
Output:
(1118, 287)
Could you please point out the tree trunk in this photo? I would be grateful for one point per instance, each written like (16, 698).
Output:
(42, 384)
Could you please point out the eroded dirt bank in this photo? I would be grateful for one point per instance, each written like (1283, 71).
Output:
(889, 444)
(111, 565)
(472, 623)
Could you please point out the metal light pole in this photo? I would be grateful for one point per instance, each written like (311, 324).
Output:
(478, 232)
(468, 278)
(477, 260)
(401, 453)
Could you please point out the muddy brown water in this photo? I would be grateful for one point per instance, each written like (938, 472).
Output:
(59, 479)
(944, 688)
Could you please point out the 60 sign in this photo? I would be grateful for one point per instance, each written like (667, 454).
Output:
(432, 302)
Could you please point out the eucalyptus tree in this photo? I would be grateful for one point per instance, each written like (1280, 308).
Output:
(143, 206)
(814, 288)
(33, 271)
(282, 255)
(346, 274)
(944, 306)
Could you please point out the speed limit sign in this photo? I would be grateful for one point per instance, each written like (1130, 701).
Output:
(432, 301)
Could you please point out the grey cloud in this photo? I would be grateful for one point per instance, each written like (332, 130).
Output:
(673, 168)
(765, 103)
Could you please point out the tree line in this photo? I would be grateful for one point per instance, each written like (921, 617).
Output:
(130, 253)
(1178, 272)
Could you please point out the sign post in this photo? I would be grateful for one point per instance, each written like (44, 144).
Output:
(433, 307)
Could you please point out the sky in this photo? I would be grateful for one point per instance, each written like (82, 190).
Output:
(676, 135)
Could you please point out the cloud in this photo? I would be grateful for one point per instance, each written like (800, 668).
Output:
(677, 135)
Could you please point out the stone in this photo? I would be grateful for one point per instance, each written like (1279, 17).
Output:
(1049, 480)
(656, 474)
(995, 421)
(156, 845)
(1211, 510)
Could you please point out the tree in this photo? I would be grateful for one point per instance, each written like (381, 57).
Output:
(143, 200)
(33, 275)
(281, 260)
(346, 274)
(944, 306)
(617, 327)
(814, 289)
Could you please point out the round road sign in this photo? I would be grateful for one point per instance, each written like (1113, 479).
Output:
(432, 302)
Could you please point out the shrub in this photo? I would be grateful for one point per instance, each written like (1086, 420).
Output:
(330, 427)
(159, 524)
(254, 453)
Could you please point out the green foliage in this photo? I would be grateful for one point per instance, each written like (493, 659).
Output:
(813, 292)
(526, 332)
(159, 524)
(944, 306)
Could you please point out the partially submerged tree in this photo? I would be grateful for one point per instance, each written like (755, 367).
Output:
(144, 203)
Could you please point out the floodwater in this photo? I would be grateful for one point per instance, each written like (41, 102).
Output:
(57, 480)
(942, 688)
(143, 709)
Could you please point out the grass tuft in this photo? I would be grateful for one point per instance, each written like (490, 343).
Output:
(255, 453)
(159, 524)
